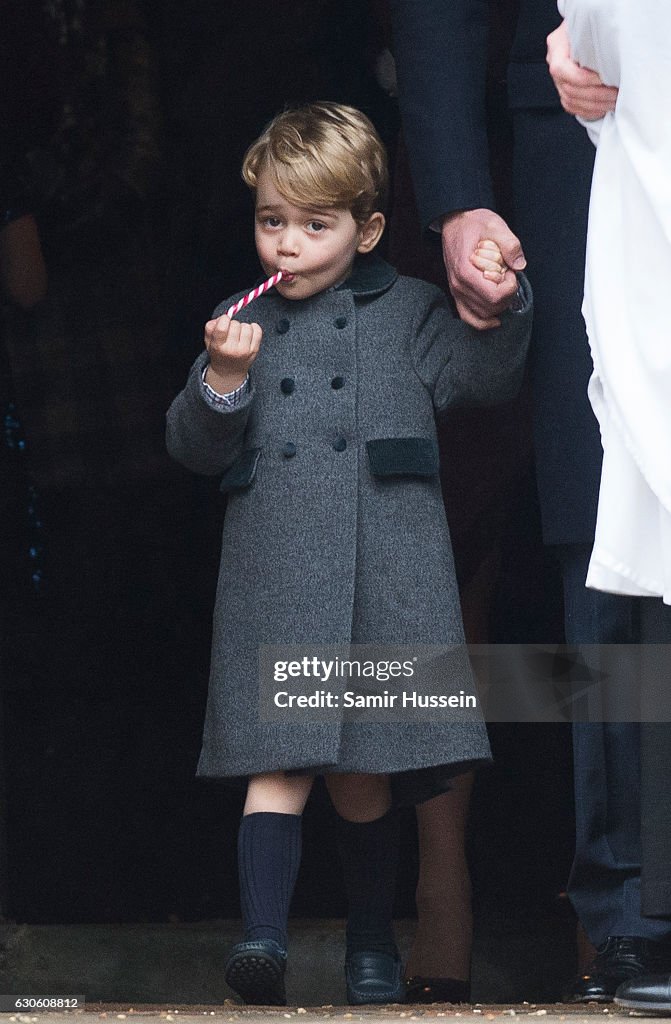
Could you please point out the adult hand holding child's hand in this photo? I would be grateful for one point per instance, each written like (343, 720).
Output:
(232, 347)
(478, 299)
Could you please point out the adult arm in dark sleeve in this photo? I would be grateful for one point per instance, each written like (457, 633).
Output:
(440, 48)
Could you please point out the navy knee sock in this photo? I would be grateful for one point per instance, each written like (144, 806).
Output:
(369, 854)
(269, 855)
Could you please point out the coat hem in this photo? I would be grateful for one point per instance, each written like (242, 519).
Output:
(410, 786)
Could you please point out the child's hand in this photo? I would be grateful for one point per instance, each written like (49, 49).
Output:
(233, 347)
(489, 259)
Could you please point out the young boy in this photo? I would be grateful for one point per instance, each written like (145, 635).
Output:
(317, 406)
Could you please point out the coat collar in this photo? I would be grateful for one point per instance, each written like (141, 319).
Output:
(371, 275)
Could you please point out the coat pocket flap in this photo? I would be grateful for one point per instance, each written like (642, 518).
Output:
(403, 456)
(241, 473)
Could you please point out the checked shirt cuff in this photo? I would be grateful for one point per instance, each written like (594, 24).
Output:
(231, 399)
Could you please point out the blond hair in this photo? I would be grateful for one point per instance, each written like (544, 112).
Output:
(322, 154)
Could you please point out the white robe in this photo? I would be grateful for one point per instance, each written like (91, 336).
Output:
(627, 306)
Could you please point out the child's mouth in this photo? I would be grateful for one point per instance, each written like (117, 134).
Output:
(287, 277)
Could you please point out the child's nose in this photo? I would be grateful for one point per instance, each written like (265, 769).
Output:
(288, 242)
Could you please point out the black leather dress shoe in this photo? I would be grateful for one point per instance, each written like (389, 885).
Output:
(649, 992)
(255, 971)
(436, 990)
(621, 958)
(374, 978)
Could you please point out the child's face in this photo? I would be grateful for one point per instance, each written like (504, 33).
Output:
(313, 247)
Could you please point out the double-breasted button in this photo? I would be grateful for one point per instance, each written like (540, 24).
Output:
(282, 326)
(289, 450)
(340, 444)
(337, 383)
(340, 322)
(287, 385)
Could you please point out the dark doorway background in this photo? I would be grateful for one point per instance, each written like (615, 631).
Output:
(123, 127)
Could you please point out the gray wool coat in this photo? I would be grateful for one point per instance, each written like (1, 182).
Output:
(335, 529)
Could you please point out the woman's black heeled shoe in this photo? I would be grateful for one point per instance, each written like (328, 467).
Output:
(437, 990)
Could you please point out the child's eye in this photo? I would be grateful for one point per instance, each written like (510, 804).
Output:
(316, 226)
(271, 222)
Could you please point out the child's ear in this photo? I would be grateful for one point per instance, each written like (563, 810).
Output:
(370, 232)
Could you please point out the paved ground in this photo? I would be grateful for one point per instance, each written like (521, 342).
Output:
(231, 1012)
(515, 957)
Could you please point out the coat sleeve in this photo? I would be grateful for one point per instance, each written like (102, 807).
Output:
(460, 365)
(203, 438)
(440, 48)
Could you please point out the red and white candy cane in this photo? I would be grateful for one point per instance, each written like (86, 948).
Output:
(254, 294)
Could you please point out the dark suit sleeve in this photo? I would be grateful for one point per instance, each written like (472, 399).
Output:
(440, 47)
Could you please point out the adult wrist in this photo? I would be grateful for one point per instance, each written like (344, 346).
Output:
(446, 218)
(454, 215)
